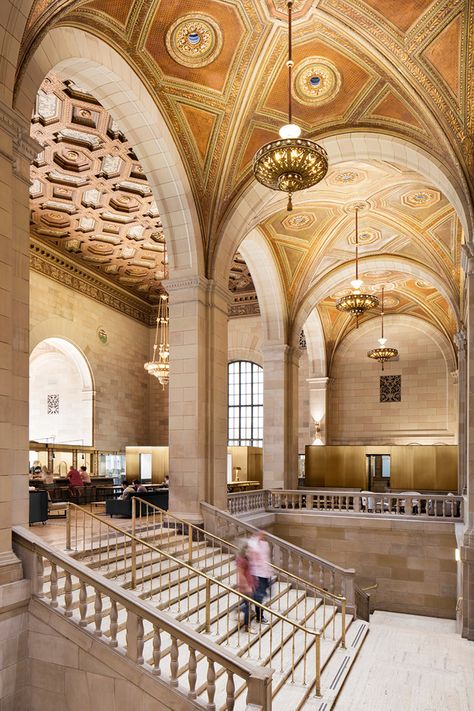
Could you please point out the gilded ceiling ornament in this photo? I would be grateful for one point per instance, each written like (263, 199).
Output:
(421, 198)
(194, 40)
(347, 177)
(366, 237)
(317, 80)
(298, 221)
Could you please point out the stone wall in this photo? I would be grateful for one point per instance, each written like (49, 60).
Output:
(426, 413)
(122, 386)
(413, 563)
(70, 669)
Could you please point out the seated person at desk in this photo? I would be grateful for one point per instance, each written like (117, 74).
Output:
(139, 487)
(75, 481)
(166, 482)
(86, 480)
(127, 491)
(47, 476)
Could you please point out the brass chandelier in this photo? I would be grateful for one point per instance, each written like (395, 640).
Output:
(159, 365)
(357, 302)
(383, 352)
(290, 163)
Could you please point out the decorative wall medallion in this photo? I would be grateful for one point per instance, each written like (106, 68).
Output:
(194, 40)
(102, 335)
(317, 81)
(298, 221)
(390, 388)
(53, 404)
(421, 198)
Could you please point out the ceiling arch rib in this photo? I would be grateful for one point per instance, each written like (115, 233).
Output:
(266, 278)
(92, 63)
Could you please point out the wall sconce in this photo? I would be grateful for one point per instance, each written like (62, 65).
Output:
(317, 433)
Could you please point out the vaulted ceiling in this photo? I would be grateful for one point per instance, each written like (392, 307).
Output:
(216, 70)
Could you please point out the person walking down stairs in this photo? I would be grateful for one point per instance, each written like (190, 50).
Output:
(245, 582)
(259, 559)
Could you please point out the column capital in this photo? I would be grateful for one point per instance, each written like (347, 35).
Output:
(192, 287)
(318, 383)
(467, 258)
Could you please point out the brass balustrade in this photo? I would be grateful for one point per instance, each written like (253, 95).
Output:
(107, 541)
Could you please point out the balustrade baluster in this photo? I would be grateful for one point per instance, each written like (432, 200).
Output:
(211, 685)
(230, 692)
(98, 613)
(53, 588)
(192, 675)
(113, 623)
(174, 661)
(156, 650)
(140, 640)
(68, 595)
(332, 586)
(39, 576)
(82, 604)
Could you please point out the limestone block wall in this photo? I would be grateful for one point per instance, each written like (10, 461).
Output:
(69, 669)
(426, 413)
(122, 386)
(413, 563)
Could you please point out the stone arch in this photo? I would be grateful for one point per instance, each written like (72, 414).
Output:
(256, 202)
(59, 364)
(344, 272)
(268, 284)
(98, 67)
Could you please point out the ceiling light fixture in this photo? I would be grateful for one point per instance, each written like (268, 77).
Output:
(356, 302)
(291, 163)
(383, 353)
(159, 366)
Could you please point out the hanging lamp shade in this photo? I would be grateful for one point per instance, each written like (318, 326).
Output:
(159, 365)
(383, 352)
(357, 302)
(290, 163)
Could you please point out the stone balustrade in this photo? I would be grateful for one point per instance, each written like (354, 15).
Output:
(410, 504)
(159, 645)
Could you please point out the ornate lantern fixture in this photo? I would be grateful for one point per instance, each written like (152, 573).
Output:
(357, 302)
(383, 352)
(159, 366)
(290, 163)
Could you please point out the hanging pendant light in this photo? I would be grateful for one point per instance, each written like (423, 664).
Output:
(383, 352)
(159, 366)
(291, 163)
(357, 302)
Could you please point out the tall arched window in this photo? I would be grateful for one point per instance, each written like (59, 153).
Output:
(245, 404)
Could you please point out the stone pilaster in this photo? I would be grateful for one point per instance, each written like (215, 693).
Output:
(460, 342)
(280, 416)
(467, 549)
(197, 394)
(318, 396)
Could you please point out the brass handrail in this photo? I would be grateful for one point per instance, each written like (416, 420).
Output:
(323, 591)
(131, 536)
(211, 580)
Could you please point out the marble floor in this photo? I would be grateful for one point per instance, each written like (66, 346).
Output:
(411, 663)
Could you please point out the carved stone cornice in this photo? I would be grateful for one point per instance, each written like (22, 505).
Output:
(54, 265)
(240, 308)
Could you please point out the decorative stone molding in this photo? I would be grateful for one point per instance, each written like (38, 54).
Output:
(24, 148)
(460, 340)
(54, 266)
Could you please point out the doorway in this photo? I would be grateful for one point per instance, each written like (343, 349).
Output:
(378, 472)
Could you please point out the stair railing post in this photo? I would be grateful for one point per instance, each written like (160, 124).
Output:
(208, 605)
(190, 544)
(318, 665)
(133, 583)
(68, 527)
(343, 622)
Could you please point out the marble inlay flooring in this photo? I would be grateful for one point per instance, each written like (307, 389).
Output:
(411, 663)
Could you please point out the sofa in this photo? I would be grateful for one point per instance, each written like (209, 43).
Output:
(123, 507)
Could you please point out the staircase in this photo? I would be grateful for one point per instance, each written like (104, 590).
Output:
(310, 639)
